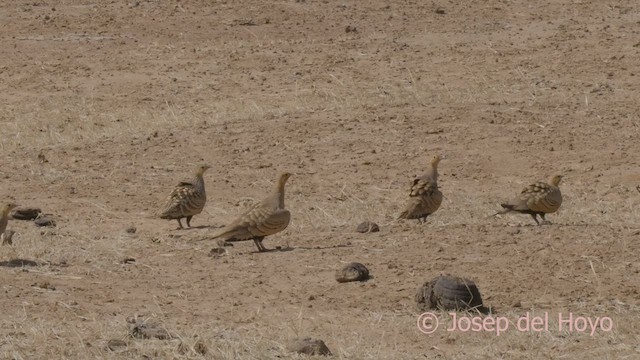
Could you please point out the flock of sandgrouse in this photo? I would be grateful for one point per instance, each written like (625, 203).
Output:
(270, 216)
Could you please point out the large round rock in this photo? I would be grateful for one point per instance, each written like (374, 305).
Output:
(367, 227)
(309, 346)
(352, 272)
(449, 292)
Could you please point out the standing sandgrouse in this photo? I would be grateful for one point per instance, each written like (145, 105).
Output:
(539, 198)
(4, 216)
(186, 200)
(424, 196)
(263, 219)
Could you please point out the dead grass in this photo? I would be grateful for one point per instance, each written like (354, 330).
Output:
(124, 111)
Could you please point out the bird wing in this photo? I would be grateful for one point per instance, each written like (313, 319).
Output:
(262, 219)
(538, 197)
(424, 199)
(422, 185)
(542, 197)
(182, 196)
(273, 223)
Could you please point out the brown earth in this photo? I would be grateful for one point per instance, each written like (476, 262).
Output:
(107, 105)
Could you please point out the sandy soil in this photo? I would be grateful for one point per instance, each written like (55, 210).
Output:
(105, 106)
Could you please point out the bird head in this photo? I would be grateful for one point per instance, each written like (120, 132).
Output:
(555, 180)
(284, 177)
(8, 207)
(202, 169)
(435, 160)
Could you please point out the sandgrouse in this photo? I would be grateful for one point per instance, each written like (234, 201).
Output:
(186, 200)
(539, 198)
(424, 196)
(263, 219)
(4, 216)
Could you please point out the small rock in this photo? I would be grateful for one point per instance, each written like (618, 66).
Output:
(25, 213)
(367, 227)
(216, 252)
(149, 330)
(41, 158)
(45, 221)
(115, 344)
(352, 272)
(131, 230)
(128, 260)
(7, 237)
(440, 11)
(350, 29)
(44, 285)
(19, 263)
(309, 346)
(200, 347)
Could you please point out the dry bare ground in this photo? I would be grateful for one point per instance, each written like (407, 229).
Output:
(124, 98)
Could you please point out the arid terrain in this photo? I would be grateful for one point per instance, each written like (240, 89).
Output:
(105, 106)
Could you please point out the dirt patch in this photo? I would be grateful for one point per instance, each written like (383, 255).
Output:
(106, 104)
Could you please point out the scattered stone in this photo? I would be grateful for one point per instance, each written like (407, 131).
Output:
(116, 344)
(25, 213)
(41, 158)
(149, 330)
(131, 230)
(45, 221)
(309, 346)
(350, 29)
(128, 260)
(352, 272)
(215, 252)
(245, 22)
(44, 285)
(7, 237)
(199, 347)
(18, 263)
(449, 293)
(440, 11)
(367, 227)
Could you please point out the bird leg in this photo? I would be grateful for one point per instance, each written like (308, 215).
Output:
(262, 245)
(258, 242)
(189, 221)
(180, 223)
(545, 221)
(535, 217)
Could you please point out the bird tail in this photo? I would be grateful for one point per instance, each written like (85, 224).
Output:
(507, 208)
(220, 234)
